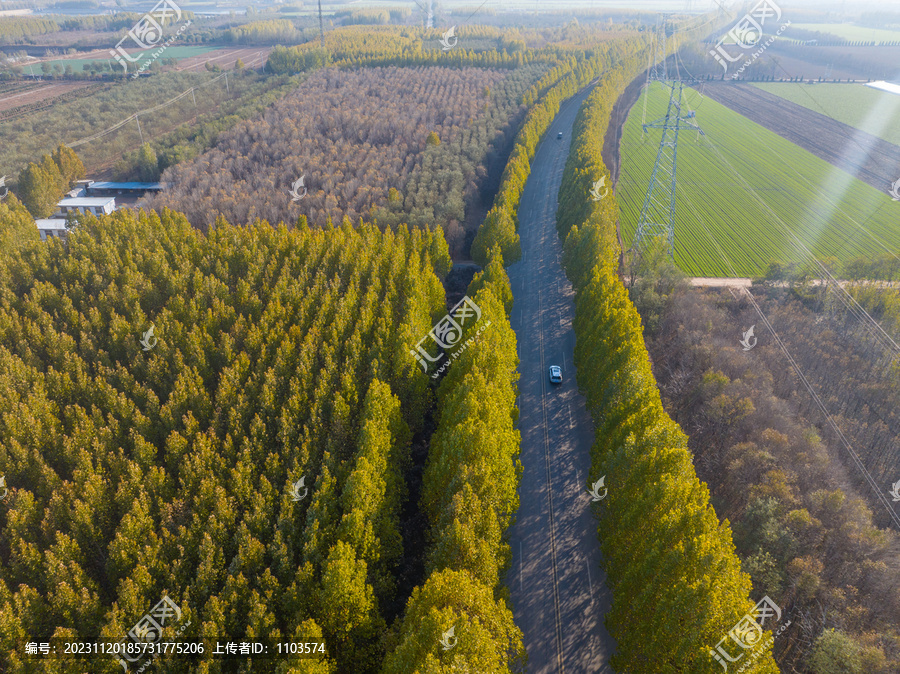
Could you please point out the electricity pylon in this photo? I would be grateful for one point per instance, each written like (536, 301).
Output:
(658, 212)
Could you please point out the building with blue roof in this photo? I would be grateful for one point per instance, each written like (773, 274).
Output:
(112, 189)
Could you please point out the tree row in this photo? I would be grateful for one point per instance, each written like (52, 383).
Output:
(545, 98)
(677, 584)
(459, 618)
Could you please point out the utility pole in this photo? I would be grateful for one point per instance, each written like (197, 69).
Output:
(658, 211)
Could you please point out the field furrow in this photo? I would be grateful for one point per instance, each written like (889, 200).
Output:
(745, 190)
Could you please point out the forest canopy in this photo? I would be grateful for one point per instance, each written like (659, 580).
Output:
(164, 393)
(360, 141)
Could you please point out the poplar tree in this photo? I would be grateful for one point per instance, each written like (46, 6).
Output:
(38, 190)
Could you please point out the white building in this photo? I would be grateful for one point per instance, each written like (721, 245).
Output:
(50, 227)
(55, 226)
(96, 205)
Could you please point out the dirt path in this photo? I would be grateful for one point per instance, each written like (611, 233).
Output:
(613, 138)
(737, 282)
(612, 142)
(868, 158)
(253, 57)
(33, 95)
(709, 282)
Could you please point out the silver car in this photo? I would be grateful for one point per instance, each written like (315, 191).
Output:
(555, 374)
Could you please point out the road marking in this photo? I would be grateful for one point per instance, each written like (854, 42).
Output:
(559, 642)
(541, 236)
(590, 584)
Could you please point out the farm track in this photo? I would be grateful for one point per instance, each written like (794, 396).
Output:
(253, 57)
(736, 282)
(862, 155)
(29, 95)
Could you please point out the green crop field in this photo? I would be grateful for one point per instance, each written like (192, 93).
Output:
(870, 110)
(174, 51)
(848, 31)
(724, 197)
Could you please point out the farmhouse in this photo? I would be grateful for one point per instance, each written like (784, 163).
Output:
(50, 227)
(55, 226)
(96, 197)
(96, 205)
(109, 189)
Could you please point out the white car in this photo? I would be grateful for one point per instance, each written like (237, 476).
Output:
(555, 374)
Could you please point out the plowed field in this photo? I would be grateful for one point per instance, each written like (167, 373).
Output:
(32, 93)
(862, 155)
(747, 195)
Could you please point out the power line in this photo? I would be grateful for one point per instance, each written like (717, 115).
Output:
(145, 111)
(833, 204)
(846, 299)
(806, 383)
(838, 208)
(822, 111)
(657, 217)
(859, 226)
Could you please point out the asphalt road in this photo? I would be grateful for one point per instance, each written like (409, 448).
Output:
(557, 587)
